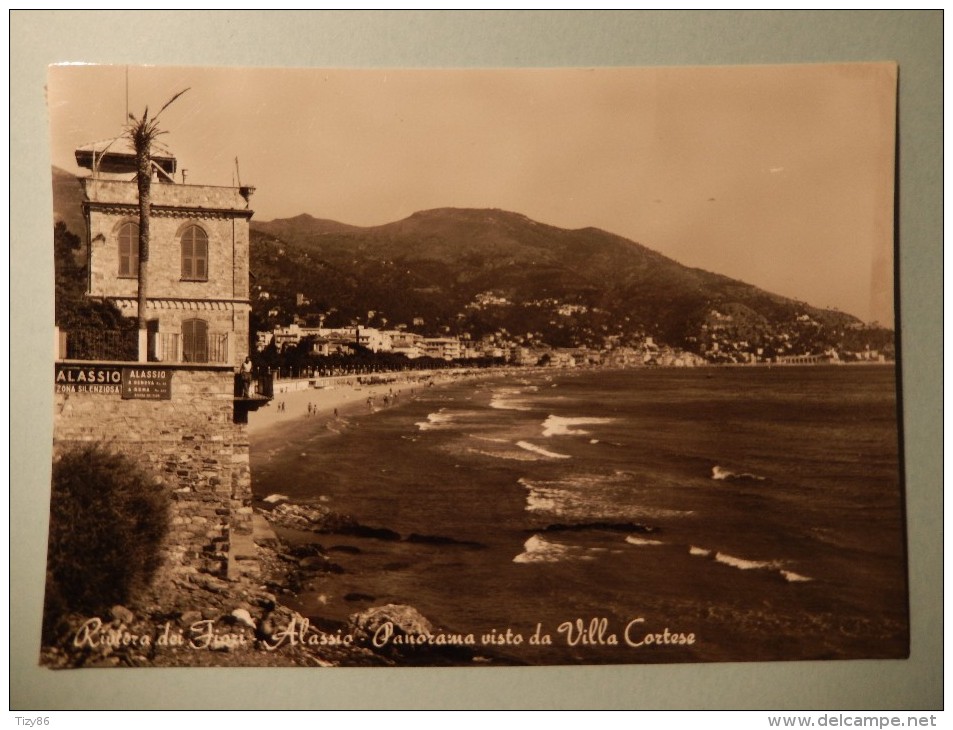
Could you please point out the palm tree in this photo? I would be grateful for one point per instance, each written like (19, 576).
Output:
(143, 133)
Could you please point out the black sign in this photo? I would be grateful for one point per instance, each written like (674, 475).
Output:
(147, 383)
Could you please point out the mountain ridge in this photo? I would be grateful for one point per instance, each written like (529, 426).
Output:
(487, 270)
(481, 272)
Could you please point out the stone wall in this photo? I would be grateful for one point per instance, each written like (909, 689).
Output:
(221, 212)
(192, 446)
(220, 298)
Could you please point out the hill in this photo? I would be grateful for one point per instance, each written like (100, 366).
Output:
(68, 202)
(479, 272)
(482, 273)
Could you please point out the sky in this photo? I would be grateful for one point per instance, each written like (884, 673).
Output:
(780, 176)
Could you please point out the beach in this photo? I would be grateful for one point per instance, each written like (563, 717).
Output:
(348, 395)
(292, 404)
(524, 500)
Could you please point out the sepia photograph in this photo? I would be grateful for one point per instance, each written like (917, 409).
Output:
(389, 368)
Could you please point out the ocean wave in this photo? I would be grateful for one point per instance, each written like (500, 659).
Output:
(539, 550)
(743, 564)
(488, 438)
(607, 526)
(541, 451)
(441, 419)
(504, 400)
(719, 474)
(542, 499)
(509, 454)
(603, 497)
(434, 420)
(633, 540)
(562, 426)
(792, 577)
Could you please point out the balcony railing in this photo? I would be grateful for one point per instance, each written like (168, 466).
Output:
(123, 345)
(175, 347)
(261, 386)
(164, 346)
(99, 344)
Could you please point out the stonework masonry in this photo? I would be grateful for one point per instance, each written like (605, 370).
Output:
(220, 296)
(194, 443)
(192, 446)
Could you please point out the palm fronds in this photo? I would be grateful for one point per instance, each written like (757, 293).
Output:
(143, 132)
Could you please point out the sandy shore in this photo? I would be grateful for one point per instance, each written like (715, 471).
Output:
(292, 405)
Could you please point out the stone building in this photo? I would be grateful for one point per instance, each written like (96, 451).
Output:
(198, 301)
(174, 406)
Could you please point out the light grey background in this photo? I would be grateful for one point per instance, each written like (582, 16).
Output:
(487, 39)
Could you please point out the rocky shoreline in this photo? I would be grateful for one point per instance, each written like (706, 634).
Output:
(198, 620)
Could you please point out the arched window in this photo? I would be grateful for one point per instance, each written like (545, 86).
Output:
(129, 249)
(194, 254)
(195, 340)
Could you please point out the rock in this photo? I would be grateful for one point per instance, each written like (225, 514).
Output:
(319, 564)
(122, 614)
(242, 616)
(267, 601)
(190, 617)
(307, 550)
(405, 620)
(275, 499)
(210, 583)
(348, 549)
(358, 597)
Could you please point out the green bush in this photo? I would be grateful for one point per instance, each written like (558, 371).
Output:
(108, 520)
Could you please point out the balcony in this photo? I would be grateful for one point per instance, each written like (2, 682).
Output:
(210, 348)
(98, 345)
(213, 347)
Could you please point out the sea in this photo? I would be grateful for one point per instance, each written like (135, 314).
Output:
(616, 517)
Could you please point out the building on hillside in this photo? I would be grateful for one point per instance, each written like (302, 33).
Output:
(198, 298)
(177, 401)
(373, 339)
(442, 348)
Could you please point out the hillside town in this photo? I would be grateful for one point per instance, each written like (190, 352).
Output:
(326, 350)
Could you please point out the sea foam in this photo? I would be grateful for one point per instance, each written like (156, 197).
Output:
(561, 426)
(743, 564)
(441, 419)
(721, 474)
(434, 420)
(541, 451)
(633, 540)
(792, 577)
(504, 400)
(539, 550)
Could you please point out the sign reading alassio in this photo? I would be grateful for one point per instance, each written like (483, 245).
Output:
(88, 379)
(147, 383)
(143, 383)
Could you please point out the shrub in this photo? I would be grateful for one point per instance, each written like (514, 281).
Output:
(108, 520)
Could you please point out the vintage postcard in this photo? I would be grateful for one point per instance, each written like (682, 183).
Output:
(389, 368)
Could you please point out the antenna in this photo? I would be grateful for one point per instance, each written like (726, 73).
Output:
(127, 95)
(238, 173)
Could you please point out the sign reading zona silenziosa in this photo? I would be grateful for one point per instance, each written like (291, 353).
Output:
(130, 382)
